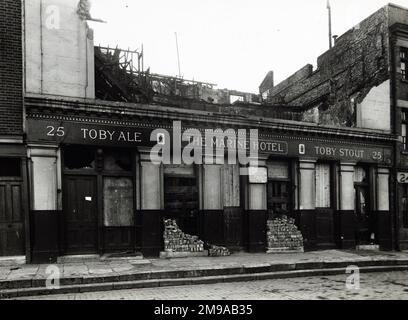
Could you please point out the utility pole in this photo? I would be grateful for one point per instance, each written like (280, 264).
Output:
(330, 24)
(178, 55)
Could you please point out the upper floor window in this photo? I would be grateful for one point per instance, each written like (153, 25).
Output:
(404, 63)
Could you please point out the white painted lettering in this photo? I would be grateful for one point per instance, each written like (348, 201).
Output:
(85, 132)
(93, 134)
(102, 135)
(122, 136)
(110, 134)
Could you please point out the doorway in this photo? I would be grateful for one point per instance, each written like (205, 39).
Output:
(99, 201)
(365, 221)
(363, 215)
(81, 225)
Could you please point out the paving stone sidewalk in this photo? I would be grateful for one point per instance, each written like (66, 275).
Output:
(118, 267)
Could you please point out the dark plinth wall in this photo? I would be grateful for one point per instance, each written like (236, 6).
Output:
(223, 227)
(45, 236)
(318, 228)
(215, 227)
(211, 227)
(233, 228)
(339, 229)
(307, 225)
(152, 232)
(347, 225)
(255, 230)
(384, 229)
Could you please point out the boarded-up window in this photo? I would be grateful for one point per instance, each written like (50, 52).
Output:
(231, 186)
(323, 186)
(278, 170)
(118, 202)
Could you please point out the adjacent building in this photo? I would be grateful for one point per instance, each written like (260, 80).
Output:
(361, 84)
(14, 210)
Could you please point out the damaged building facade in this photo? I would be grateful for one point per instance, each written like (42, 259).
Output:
(328, 171)
(361, 84)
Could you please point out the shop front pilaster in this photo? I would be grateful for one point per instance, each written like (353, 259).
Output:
(151, 203)
(307, 202)
(257, 213)
(383, 219)
(347, 218)
(46, 214)
(211, 220)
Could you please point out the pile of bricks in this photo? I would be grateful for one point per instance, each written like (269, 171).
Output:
(217, 251)
(176, 240)
(284, 236)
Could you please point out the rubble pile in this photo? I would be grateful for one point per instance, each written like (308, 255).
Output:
(217, 251)
(283, 235)
(176, 240)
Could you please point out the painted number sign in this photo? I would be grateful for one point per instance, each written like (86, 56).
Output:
(356, 153)
(68, 132)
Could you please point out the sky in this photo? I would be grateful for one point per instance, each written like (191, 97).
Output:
(231, 43)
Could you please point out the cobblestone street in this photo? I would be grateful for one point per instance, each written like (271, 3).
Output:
(382, 286)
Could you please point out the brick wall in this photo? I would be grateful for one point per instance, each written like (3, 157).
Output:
(11, 68)
(344, 75)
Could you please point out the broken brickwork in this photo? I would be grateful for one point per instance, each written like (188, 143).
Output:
(218, 251)
(283, 236)
(344, 75)
(175, 240)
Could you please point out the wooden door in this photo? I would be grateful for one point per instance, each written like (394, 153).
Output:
(11, 218)
(80, 203)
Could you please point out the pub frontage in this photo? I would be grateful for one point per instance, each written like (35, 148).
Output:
(82, 176)
(95, 189)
